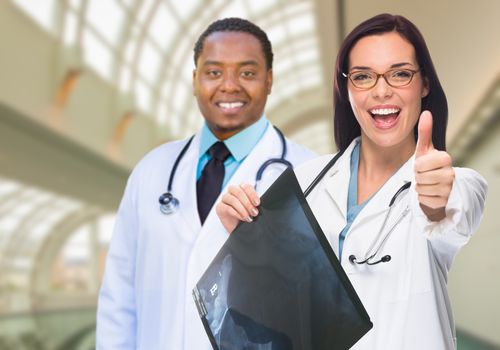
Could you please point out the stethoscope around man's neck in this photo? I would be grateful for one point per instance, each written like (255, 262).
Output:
(170, 204)
(373, 251)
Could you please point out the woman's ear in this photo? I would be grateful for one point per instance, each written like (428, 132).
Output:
(425, 88)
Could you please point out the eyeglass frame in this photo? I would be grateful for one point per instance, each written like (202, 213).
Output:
(412, 71)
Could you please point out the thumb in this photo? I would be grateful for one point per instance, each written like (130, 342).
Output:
(424, 142)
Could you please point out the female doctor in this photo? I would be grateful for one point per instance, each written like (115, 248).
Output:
(392, 206)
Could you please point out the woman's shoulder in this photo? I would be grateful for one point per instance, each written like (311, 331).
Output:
(307, 171)
(470, 179)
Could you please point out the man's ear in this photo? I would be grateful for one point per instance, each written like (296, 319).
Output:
(193, 82)
(269, 79)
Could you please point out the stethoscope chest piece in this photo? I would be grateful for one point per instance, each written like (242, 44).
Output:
(168, 203)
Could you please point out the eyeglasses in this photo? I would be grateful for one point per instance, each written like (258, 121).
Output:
(366, 79)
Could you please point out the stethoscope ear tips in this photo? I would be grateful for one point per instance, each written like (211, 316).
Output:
(168, 203)
(385, 258)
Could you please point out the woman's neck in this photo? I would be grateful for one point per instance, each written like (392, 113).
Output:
(377, 164)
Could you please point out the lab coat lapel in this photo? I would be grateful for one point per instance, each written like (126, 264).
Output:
(379, 203)
(187, 184)
(337, 180)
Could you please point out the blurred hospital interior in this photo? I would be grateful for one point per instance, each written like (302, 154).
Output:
(87, 87)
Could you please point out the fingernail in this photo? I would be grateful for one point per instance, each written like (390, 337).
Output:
(249, 219)
(255, 212)
(256, 201)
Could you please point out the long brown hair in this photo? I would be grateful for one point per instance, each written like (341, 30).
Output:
(345, 123)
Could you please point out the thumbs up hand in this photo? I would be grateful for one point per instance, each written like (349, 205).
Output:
(434, 173)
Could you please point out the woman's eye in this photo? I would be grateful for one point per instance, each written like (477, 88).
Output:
(360, 76)
(401, 74)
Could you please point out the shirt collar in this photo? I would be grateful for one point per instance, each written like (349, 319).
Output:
(239, 144)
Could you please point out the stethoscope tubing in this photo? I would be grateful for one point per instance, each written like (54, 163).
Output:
(169, 203)
(368, 258)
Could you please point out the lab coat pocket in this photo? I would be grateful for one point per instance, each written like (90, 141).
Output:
(396, 277)
(410, 274)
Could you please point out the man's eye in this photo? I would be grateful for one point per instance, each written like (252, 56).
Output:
(248, 74)
(214, 73)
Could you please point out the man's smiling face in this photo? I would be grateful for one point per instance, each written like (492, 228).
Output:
(231, 82)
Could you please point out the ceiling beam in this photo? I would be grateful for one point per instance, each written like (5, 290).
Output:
(36, 155)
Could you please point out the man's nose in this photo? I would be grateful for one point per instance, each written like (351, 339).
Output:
(230, 83)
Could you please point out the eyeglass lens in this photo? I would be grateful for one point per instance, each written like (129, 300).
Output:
(393, 77)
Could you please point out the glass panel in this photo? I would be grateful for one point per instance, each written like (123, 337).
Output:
(70, 30)
(282, 65)
(179, 101)
(298, 9)
(76, 248)
(144, 10)
(163, 27)
(42, 11)
(131, 48)
(75, 4)
(314, 137)
(105, 226)
(235, 9)
(310, 78)
(96, 54)
(301, 24)
(276, 34)
(20, 263)
(8, 187)
(258, 7)
(128, 3)
(99, 14)
(184, 8)
(161, 116)
(149, 62)
(125, 79)
(143, 94)
(307, 55)
(288, 90)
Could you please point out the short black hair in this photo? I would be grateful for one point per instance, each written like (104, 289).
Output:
(234, 24)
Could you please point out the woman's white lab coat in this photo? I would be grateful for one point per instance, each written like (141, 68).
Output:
(407, 297)
(155, 260)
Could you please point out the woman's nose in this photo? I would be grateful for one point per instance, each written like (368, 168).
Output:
(382, 89)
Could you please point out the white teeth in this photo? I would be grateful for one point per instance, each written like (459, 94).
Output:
(384, 111)
(227, 105)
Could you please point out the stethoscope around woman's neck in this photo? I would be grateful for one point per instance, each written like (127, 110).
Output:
(170, 204)
(372, 251)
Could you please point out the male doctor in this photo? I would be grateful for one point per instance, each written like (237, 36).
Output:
(155, 259)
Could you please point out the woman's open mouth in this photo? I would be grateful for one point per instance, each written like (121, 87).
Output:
(385, 118)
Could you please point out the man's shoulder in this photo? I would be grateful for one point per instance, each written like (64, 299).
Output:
(315, 164)
(308, 170)
(296, 153)
(297, 150)
(162, 155)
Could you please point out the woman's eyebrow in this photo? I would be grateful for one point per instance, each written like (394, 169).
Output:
(395, 65)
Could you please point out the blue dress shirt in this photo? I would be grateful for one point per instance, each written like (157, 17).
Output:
(239, 145)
